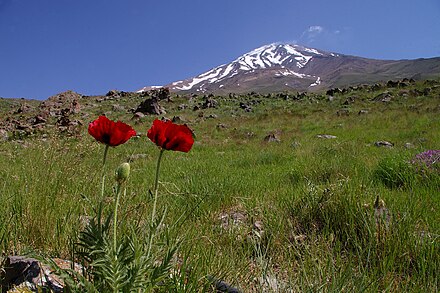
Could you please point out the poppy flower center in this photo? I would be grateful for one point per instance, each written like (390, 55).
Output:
(106, 138)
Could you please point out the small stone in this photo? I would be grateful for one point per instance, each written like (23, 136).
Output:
(383, 143)
(138, 115)
(326, 136)
(272, 137)
(136, 157)
(300, 238)
(258, 225)
(295, 144)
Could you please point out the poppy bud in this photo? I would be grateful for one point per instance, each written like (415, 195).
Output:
(122, 173)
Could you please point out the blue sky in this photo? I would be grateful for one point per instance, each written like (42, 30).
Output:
(92, 46)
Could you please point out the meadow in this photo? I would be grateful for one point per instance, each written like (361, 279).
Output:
(300, 214)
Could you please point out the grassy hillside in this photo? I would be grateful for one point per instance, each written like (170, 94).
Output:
(296, 215)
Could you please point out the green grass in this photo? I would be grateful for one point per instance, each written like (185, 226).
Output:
(314, 197)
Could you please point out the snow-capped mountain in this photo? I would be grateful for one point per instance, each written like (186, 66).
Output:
(283, 59)
(278, 67)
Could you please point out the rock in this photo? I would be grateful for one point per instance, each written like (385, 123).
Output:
(3, 135)
(221, 126)
(75, 123)
(209, 103)
(24, 108)
(63, 121)
(113, 93)
(330, 98)
(300, 96)
(343, 112)
(362, 112)
(30, 274)
(384, 97)
(383, 143)
(18, 269)
(250, 134)
(212, 116)
(75, 107)
(295, 144)
(409, 145)
(258, 225)
(392, 83)
(138, 115)
(349, 100)
(39, 119)
(272, 137)
(177, 119)
(151, 106)
(245, 107)
(118, 108)
(60, 100)
(426, 91)
(326, 136)
(332, 92)
(403, 84)
(232, 219)
(182, 107)
(376, 87)
(300, 238)
(222, 286)
(21, 126)
(161, 94)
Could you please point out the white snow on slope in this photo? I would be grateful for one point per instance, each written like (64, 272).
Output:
(317, 82)
(269, 56)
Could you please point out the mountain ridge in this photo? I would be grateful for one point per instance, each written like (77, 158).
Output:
(282, 66)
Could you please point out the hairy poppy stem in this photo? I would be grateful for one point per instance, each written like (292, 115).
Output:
(103, 171)
(115, 218)
(156, 185)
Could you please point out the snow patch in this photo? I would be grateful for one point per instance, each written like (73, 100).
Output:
(317, 82)
(288, 72)
(147, 88)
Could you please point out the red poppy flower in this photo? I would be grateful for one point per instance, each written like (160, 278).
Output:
(109, 132)
(170, 136)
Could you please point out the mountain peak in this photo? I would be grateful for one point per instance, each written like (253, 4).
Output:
(284, 66)
(286, 58)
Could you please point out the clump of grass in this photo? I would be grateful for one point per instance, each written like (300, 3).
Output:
(395, 172)
(332, 213)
